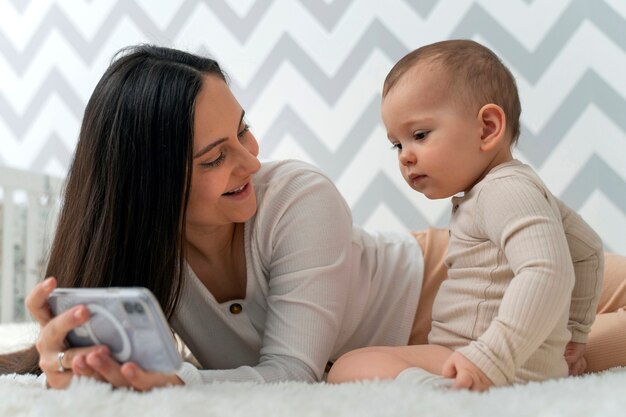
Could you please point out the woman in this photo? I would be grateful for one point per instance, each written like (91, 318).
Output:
(265, 280)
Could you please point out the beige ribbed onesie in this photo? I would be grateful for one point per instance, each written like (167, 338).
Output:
(506, 303)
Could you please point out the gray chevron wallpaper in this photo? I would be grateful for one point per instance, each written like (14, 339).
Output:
(309, 73)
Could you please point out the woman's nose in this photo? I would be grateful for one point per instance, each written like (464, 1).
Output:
(249, 164)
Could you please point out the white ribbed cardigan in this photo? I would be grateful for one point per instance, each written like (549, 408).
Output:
(317, 287)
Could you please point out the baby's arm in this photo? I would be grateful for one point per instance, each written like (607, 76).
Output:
(515, 215)
(587, 254)
(466, 375)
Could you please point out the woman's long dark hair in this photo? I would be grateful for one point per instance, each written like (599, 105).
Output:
(123, 212)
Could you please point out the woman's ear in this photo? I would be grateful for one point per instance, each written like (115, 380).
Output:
(493, 122)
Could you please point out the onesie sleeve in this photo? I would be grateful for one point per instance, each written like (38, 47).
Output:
(587, 253)
(516, 215)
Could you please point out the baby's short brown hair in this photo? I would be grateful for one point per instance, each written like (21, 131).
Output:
(475, 74)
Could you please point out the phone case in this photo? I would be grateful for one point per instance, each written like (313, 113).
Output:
(127, 320)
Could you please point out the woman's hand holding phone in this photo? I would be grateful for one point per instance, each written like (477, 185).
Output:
(128, 375)
(52, 334)
(61, 363)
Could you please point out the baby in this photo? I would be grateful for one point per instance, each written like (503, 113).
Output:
(451, 110)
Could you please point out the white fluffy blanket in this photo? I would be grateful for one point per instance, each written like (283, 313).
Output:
(592, 395)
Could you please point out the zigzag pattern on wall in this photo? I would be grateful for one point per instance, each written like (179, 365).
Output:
(309, 74)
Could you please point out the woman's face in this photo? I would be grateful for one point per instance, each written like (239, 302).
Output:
(224, 160)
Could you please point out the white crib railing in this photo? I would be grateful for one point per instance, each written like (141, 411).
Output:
(28, 208)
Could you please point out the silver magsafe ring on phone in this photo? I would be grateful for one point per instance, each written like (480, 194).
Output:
(124, 353)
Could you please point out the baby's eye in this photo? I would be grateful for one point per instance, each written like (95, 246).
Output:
(396, 147)
(246, 128)
(420, 135)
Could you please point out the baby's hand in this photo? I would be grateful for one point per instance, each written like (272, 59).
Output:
(574, 358)
(466, 375)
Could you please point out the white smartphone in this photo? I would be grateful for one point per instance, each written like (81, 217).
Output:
(127, 320)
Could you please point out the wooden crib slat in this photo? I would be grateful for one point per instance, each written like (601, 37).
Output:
(40, 224)
(33, 242)
(7, 309)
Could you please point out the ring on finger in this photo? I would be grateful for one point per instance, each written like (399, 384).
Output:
(61, 367)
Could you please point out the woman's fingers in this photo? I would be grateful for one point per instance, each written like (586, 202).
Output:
(53, 333)
(73, 363)
(58, 366)
(100, 365)
(141, 380)
(60, 360)
(96, 362)
(55, 360)
(50, 363)
(108, 369)
(60, 369)
(74, 358)
(61, 364)
(58, 380)
(81, 368)
(37, 300)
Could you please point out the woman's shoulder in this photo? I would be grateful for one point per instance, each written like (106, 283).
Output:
(294, 197)
(286, 170)
(274, 174)
(286, 184)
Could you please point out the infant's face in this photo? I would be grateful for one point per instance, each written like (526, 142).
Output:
(438, 142)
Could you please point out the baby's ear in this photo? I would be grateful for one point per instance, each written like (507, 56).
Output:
(493, 121)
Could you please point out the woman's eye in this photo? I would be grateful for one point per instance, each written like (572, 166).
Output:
(246, 128)
(420, 135)
(215, 162)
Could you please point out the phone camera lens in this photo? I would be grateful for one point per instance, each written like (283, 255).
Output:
(138, 308)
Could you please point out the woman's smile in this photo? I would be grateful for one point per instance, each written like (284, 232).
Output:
(239, 193)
